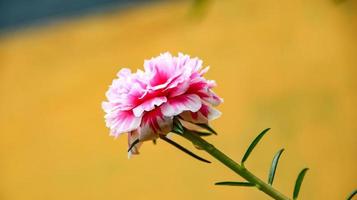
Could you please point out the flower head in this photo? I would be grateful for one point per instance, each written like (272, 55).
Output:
(143, 104)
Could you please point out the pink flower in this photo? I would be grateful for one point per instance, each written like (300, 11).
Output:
(143, 104)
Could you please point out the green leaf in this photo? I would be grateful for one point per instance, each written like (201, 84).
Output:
(274, 165)
(177, 126)
(231, 183)
(298, 183)
(200, 133)
(133, 144)
(352, 195)
(253, 144)
(207, 127)
(184, 149)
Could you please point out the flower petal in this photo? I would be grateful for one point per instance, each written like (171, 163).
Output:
(175, 106)
(179, 89)
(148, 105)
(204, 115)
(122, 122)
(153, 124)
(213, 99)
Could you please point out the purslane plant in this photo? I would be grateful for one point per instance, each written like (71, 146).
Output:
(171, 95)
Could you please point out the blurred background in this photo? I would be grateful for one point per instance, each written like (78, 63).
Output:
(287, 65)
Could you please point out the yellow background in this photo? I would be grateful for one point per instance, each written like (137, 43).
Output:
(288, 65)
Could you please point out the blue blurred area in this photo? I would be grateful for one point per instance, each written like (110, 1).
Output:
(17, 13)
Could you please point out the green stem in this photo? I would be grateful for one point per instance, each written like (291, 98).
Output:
(239, 169)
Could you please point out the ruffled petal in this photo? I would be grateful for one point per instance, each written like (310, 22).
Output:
(122, 122)
(204, 115)
(153, 124)
(148, 105)
(180, 89)
(176, 105)
(212, 98)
